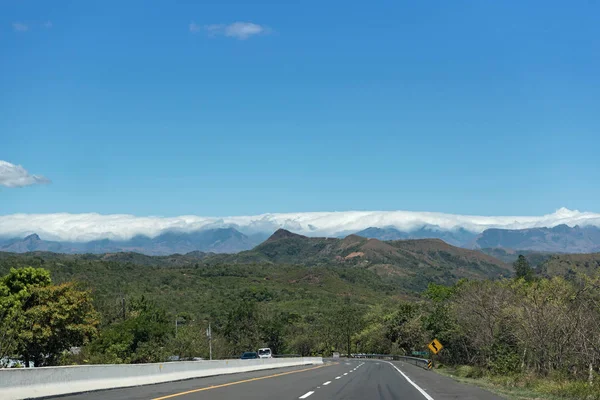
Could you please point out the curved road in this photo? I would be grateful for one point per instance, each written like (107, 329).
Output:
(342, 379)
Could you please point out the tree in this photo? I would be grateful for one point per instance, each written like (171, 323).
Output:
(405, 327)
(347, 320)
(241, 327)
(40, 320)
(523, 269)
(141, 338)
(483, 311)
(273, 328)
(15, 291)
(9, 306)
(553, 315)
(374, 337)
(191, 341)
(54, 319)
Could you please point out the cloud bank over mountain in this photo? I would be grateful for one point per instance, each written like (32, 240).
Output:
(92, 226)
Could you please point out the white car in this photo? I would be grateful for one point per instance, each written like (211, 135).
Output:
(265, 353)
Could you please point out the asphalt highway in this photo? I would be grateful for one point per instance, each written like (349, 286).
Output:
(340, 379)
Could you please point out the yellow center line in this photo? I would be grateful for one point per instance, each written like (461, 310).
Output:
(238, 382)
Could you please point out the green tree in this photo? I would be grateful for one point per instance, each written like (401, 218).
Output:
(374, 338)
(15, 290)
(242, 327)
(273, 330)
(347, 320)
(141, 338)
(40, 320)
(9, 308)
(523, 269)
(191, 341)
(405, 327)
(54, 319)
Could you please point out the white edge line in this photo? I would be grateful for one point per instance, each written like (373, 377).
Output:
(326, 383)
(305, 395)
(337, 377)
(424, 393)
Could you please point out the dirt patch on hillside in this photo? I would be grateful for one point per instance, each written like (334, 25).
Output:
(354, 254)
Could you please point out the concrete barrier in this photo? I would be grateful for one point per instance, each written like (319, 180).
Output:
(26, 383)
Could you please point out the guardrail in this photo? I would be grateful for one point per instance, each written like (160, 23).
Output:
(27, 383)
(419, 362)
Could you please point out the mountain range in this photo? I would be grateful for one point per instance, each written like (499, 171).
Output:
(414, 262)
(459, 237)
(558, 239)
(221, 240)
(409, 264)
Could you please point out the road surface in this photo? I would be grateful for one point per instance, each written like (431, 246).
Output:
(342, 379)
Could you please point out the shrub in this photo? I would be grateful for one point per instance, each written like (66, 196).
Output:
(467, 371)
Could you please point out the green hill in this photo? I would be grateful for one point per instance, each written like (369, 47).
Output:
(509, 256)
(568, 264)
(289, 271)
(411, 264)
(209, 290)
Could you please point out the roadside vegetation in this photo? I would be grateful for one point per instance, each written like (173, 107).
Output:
(529, 335)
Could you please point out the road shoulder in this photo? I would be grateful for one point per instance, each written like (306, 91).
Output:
(442, 387)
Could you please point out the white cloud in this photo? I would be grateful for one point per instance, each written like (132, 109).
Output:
(12, 175)
(243, 30)
(20, 27)
(85, 227)
(238, 30)
(194, 28)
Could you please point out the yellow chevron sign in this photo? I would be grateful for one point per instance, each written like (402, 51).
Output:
(435, 346)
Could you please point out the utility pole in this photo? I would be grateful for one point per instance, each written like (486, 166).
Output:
(123, 306)
(209, 334)
(176, 326)
(349, 345)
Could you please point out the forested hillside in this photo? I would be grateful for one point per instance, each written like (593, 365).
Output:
(411, 264)
(570, 264)
(125, 311)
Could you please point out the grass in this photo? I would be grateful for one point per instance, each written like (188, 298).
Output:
(523, 387)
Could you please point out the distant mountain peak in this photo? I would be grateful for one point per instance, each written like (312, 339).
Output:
(352, 240)
(33, 237)
(283, 234)
(561, 238)
(563, 228)
(355, 237)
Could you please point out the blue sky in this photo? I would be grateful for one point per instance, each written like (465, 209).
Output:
(164, 108)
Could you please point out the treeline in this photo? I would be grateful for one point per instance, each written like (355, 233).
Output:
(527, 324)
(41, 323)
